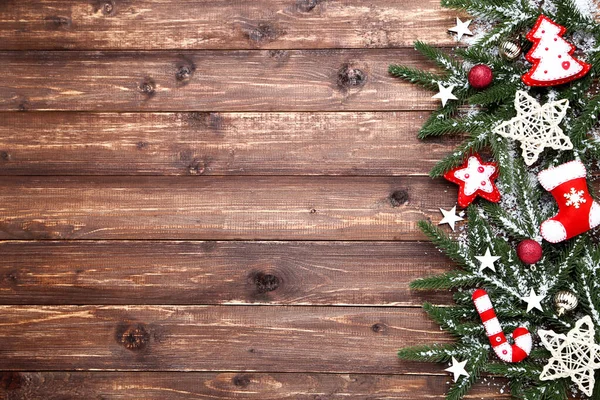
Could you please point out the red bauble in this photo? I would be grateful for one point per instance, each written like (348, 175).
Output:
(529, 251)
(480, 76)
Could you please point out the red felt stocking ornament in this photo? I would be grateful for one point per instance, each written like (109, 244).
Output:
(551, 55)
(577, 211)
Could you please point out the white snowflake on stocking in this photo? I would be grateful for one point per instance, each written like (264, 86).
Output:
(575, 198)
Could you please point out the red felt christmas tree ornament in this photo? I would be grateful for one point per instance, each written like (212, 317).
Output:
(475, 178)
(551, 56)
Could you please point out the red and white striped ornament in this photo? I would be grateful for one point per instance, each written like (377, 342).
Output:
(505, 351)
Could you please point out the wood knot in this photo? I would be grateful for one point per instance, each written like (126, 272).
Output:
(399, 198)
(349, 77)
(147, 86)
(4, 156)
(306, 5)
(108, 7)
(196, 168)
(23, 105)
(134, 338)
(59, 22)
(265, 282)
(263, 32)
(211, 120)
(10, 380)
(313, 211)
(241, 380)
(379, 328)
(185, 71)
(142, 145)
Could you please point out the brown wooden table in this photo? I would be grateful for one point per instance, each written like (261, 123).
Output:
(217, 199)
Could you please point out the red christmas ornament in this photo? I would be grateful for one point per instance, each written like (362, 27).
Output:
(475, 178)
(551, 56)
(480, 76)
(529, 251)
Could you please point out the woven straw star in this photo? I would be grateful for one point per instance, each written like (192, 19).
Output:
(574, 355)
(536, 126)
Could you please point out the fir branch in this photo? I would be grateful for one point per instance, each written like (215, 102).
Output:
(449, 280)
(524, 369)
(568, 14)
(585, 121)
(431, 352)
(440, 58)
(442, 241)
(426, 79)
(498, 93)
(443, 316)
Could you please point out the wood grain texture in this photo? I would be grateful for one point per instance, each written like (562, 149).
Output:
(227, 385)
(221, 24)
(252, 80)
(148, 272)
(343, 143)
(205, 338)
(215, 208)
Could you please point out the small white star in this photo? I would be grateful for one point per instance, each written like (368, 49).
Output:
(461, 28)
(450, 217)
(458, 369)
(487, 261)
(444, 94)
(533, 301)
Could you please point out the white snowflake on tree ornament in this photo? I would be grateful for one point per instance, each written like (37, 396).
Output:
(575, 198)
(574, 355)
(536, 126)
(551, 56)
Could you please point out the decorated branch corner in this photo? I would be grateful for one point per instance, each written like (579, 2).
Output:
(520, 91)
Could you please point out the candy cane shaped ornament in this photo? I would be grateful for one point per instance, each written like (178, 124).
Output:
(505, 351)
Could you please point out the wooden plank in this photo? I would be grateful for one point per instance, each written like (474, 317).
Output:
(220, 24)
(227, 385)
(340, 143)
(252, 80)
(221, 338)
(220, 208)
(149, 272)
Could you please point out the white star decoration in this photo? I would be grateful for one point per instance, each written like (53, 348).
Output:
(444, 94)
(450, 217)
(487, 261)
(533, 301)
(536, 126)
(476, 177)
(574, 355)
(461, 28)
(458, 369)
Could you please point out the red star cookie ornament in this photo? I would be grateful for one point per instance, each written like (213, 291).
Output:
(475, 178)
(551, 56)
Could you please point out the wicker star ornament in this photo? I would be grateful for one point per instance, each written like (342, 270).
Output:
(536, 126)
(574, 355)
